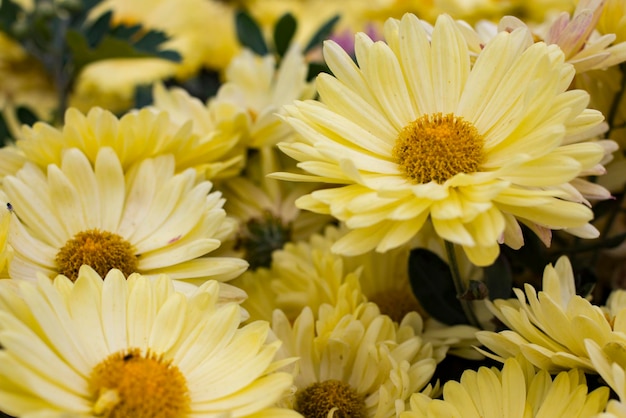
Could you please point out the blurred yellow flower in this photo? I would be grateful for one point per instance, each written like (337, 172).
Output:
(256, 84)
(265, 209)
(515, 391)
(134, 347)
(147, 220)
(25, 82)
(610, 363)
(416, 132)
(613, 19)
(111, 83)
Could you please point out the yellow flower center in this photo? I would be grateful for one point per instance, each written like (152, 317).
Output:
(437, 147)
(101, 250)
(320, 398)
(396, 303)
(128, 384)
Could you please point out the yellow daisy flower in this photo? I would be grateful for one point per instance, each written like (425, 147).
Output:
(134, 347)
(133, 137)
(417, 132)
(257, 85)
(147, 220)
(549, 328)
(356, 365)
(515, 391)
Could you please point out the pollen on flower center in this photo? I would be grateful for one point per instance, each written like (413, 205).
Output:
(436, 147)
(102, 250)
(396, 303)
(317, 400)
(129, 384)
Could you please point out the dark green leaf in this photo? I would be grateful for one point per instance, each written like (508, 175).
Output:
(151, 40)
(5, 135)
(283, 33)
(315, 68)
(110, 47)
(9, 11)
(26, 116)
(98, 29)
(322, 33)
(249, 33)
(143, 96)
(125, 32)
(498, 278)
(432, 284)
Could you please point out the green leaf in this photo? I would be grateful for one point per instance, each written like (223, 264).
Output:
(432, 284)
(249, 33)
(322, 33)
(283, 33)
(315, 68)
(110, 47)
(98, 29)
(498, 278)
(26, 116)
(9, 12)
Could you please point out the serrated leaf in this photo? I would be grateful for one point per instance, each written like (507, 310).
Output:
(283, 33)
(249, 33)
(125, 32)
(150, 41)
(110, 47)
(98, 29)
(322, 33)
(432, 284)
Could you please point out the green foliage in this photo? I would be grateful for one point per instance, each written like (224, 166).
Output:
(249, 33)
(283, 33)
(322, 33)
(432, 284)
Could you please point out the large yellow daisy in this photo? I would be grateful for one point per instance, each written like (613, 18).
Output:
(515, 391)
(132, 348)
(416, 131)
(147, 220)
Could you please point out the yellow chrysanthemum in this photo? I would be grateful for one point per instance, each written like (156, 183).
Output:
(613, 19)
(132, 348)
(265, 209)
(302, 274)
(219, 127)
(257, 85)
(147, 220)
(549, 327)
(610, 362)
(515, 391)
(6, 252)
(133, 137)
(415, 131)
(355, 365)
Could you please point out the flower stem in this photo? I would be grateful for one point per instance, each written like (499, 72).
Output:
(460, 285)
